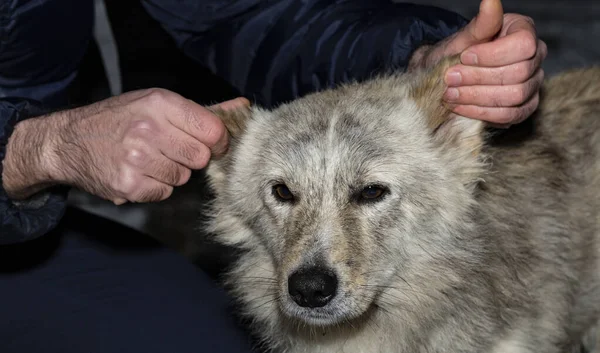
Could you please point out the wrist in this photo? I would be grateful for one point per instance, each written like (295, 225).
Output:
(30, 161)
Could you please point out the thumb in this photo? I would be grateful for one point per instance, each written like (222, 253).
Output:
(233, 104)
(482, 28)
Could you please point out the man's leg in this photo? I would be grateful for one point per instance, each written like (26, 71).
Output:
(95, 286)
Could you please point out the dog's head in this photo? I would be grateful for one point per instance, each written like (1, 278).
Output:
(348, 199)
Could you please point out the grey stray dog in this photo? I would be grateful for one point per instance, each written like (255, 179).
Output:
(372, 219)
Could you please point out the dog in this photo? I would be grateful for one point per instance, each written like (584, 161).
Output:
(371, 218)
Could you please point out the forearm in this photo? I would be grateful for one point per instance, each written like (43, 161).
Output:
(28, 207)
(29, 158)
(276, 51)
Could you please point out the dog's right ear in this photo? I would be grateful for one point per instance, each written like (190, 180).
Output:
(236, 121)
(446, 127)
(460, 137)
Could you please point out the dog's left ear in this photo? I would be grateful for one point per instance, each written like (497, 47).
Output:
(235, 119)
(236, 122)
(447, 128)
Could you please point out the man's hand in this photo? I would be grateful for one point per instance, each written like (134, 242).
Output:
(500, 74)
(135, 147)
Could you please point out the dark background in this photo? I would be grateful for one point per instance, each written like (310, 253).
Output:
(132, 51)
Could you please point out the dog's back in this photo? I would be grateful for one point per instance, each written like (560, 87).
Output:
(542, 198)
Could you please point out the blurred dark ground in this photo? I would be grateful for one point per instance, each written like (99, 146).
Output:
(139, 54)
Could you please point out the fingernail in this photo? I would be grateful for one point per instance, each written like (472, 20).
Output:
(469, 58)
(453, 78)
(451, 94)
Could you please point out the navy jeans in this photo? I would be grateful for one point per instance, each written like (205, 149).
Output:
(95, 286)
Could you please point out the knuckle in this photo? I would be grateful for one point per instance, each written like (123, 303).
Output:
(479, 77)
(136, 157)
(523, 71)
(144, 126)
(496, 101)
(522, 93)
(201, 158)
(535, 101)
(517, 95)
(155, 194)
(502, 116)
(157, 96)
(528, 44)
(165, 193)
(162, 100)
(529, 19)
(146, 195)
(126, 182)
(515, 114)
(507, 116)
(190, 118)
(185, 176)
(210, 129)
(140, 130)
(214, 133)
(543, 48)
(186, 150)
(499, 76)
(482, 113)
(173, 175)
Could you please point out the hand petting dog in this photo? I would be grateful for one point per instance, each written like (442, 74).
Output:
(500, 74)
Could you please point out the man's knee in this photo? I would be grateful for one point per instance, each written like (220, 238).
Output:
(100, 287)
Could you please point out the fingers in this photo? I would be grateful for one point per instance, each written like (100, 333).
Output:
(201, 124)
(151, 190)
(233, 104)
(519, 44)
(500, 116)
(146, 141)
(483, 28)
(183, 149)
(496, 95)
(159, 167)
(205, 126)
(148, 176)
(512, 74)
(133, 187)
(190, 118)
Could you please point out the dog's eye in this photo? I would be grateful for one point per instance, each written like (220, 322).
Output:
(372, 193)
(282, 192)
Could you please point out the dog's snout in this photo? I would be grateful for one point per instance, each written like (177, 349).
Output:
(312, 287)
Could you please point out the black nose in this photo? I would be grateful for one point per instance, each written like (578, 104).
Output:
(312, 287)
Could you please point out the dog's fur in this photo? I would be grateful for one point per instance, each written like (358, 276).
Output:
(486, 242)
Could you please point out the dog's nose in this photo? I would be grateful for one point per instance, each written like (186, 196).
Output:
(312, 287)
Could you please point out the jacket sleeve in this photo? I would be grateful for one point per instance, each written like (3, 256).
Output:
(27, 219)
(273, 51)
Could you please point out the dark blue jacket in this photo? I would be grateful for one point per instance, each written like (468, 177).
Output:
(271, 51)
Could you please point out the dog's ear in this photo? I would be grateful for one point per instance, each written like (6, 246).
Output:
(234, 119)
(460, 139)
(236, 122)
(447, 128)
